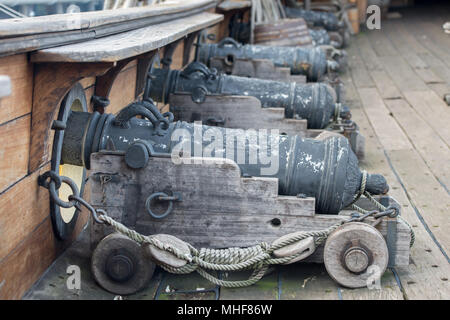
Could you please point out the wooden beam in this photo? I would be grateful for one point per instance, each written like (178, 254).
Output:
(128, 44)
(29, 34)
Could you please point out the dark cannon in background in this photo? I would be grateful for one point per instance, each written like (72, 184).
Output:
(312, 62)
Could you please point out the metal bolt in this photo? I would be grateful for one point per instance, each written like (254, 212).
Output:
(119, 267)
(356, 259)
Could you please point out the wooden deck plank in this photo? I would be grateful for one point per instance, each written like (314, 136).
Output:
(383, 82)
(427, 142)
(361, 76)
(367, 52)
(388, 290)
(425, 253)
(381, 44)
(425, 192)
(433, 110)
(307, 282)
(388, 131)
(402, 74)
(265, 289)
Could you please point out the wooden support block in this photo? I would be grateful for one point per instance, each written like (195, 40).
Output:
(14, 150)
(237, 111)
(52, 82)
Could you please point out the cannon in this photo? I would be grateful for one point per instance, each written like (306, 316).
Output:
(309, 61)
(152, 202)
(314, 102)
(148, 185)
(338, 33)
(326, 170)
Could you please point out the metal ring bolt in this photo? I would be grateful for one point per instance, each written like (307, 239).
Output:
(162, 197)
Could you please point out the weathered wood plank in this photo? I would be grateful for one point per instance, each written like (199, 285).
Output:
(360, 74)
(433, 110)
(132, 43)
(402, 74)
(264, 289)
(20, 269)
(385, 85)
(425, 192)
(388, 290)
(366, 52)
(425, 253)
(20, 214)
(36, 33)
(388, 131)
(380, 43)
(20, 72)
(307, 282)
(14, 150)
(427, 142)
(91, 19)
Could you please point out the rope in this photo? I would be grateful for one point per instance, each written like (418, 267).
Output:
(258, 257)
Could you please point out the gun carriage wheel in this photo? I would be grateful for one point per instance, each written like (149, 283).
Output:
(355, 254)
(120, 265)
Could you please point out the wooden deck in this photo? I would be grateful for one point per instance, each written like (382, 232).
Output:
(395, 87)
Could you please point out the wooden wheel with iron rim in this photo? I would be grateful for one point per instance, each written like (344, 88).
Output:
(355, 254)
(120, 265)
